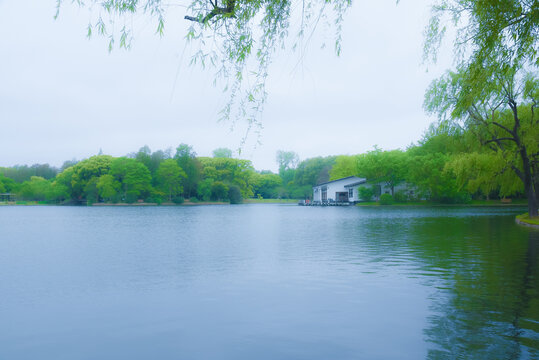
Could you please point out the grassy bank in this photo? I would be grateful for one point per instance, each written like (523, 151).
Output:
(525, 218)
(514, 202)
(270, 201)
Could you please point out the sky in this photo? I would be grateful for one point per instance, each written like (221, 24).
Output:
(63, 96)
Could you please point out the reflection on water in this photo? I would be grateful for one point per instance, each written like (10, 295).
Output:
(267, 282)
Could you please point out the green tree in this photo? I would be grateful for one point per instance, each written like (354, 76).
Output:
(496, 40)
(266, 185)
(204, 189)
(76, 178)
(489, 32)
(365, 193)
(107, 186)
(237, 172)
(186, 158)
(219, 191)
(170, 177)
(58, 192)
(389, 167)
(314, 171)
(484, 173)
(222, 153)
(9, 185)
(234, 195)
(37, 188)
(497, 106)
(286, 160)
(345, 166)
(134, 178)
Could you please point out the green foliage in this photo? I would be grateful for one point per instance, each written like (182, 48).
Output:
(365, 193)
(231, 172)
(484, 173)
(238, 37)
(76, 178)
(36, 189)
(389, 167)
(178, 200)
(21, 173)
(487, 32)
(386, 199)
(266, 185)
(314, 171)
(345, 166)
(9, 185)
(204, 189)
(186, 158)
(401, 196)
(134, 178)
(494, 89)
(493, 108)
(222, 153)
(170, 177)
(219, 191)
(286, 160)
(107, 187)
(234, 195)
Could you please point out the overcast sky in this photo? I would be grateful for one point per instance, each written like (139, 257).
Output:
(63, 96)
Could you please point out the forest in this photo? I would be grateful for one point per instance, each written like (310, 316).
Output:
(447, 165)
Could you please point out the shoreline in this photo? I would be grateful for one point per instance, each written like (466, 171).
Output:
(257, 201)
(525, 220)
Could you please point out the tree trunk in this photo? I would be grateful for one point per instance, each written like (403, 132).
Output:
(529, 184)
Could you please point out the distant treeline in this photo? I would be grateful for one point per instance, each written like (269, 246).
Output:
(162, 176)
(447, 166)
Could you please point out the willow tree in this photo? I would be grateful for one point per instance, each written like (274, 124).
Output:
(493, 91)
(499, 108)
(237, 37)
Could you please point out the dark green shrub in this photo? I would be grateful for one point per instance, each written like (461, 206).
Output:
(386, 199)
(193, 199)
(234, 195)
(401, 196)
(219, 191)
(155, 199)
(178, 199)
(131, 197)
(365, 193)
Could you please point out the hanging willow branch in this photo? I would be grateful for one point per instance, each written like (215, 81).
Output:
(227, 11)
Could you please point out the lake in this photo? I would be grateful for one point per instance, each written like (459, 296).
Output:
(267, 282)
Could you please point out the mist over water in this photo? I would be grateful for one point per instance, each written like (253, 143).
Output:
(267, 282)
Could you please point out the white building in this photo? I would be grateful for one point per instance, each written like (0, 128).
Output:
(340, 191)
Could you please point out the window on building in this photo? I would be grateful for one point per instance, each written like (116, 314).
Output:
(351, 193)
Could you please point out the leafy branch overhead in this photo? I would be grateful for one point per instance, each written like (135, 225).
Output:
(236, 37)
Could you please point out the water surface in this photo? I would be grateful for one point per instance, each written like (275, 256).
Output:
(267, 282)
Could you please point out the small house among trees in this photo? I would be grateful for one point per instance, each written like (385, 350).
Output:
(338, 191)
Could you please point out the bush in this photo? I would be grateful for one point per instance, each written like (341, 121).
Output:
(365, 193)
(234, 194)
(219, 191)
(386, 199)
(178, 199)
(131, 198)
(193, 199)
(155, 199)
(401, 196)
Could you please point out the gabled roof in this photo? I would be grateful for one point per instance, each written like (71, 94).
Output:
(362, 181)
(359, 181)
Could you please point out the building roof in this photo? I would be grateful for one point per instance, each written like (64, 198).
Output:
(359, 181)
(362, 181)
